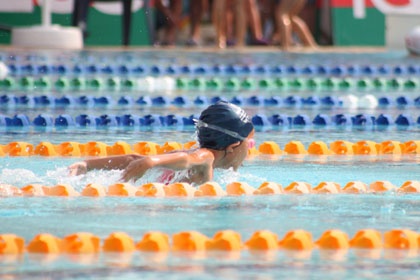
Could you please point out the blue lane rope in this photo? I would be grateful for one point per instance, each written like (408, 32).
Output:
(179, 121)
(133, 101)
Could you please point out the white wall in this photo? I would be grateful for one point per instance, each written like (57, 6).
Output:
(397, 27)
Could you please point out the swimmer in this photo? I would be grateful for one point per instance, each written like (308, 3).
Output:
(225, 133)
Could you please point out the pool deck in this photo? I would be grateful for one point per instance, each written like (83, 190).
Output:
(245, 49)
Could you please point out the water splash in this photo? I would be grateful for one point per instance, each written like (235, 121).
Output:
(19, 177)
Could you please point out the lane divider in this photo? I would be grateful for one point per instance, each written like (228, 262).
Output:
(315, 148)
(219, 69)
(208, 189)
(129, 101)
(405, 240)
(180, 122)
(167, 83)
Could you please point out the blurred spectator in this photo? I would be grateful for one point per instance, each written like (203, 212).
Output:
(168, 17)
(231, 19)
(254, 22)
(197, 9)
(288, 23)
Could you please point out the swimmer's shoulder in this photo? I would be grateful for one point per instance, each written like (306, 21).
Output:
(202, 155)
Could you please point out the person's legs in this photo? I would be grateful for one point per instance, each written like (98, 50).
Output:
(254, 20)
(196, 14)
(175, 7)
(284, 22)
(219, 16)
(239, 22)
(299, 26)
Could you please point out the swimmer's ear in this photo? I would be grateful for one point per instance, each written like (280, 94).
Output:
(232, 147)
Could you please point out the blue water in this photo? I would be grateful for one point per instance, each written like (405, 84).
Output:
(28, 216)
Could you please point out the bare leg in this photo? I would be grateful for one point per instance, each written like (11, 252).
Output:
(219, 21)
(175, 7)
(299, 26)
(254, 18)
(240, 22)
(196, 14)
(284, 23)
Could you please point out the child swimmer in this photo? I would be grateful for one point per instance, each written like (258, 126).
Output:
(225, 133)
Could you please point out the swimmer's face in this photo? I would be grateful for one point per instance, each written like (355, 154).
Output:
(237, 152)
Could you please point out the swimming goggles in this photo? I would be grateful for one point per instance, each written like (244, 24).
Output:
(199, 124)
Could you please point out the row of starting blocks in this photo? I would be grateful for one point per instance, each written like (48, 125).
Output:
(96, 148)
(225, 240)
(208, 189)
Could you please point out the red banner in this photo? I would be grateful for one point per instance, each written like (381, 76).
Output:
(368, 3)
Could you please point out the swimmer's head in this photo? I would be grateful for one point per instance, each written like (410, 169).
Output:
(221, 125)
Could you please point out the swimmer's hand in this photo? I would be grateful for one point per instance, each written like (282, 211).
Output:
(136, 169)
(78, 168)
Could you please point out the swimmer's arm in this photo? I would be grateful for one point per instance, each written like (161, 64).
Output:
(108, 163)
(174, 161)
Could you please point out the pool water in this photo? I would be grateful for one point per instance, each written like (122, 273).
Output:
(316, 213)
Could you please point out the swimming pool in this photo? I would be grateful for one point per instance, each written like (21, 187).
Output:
(360, 87)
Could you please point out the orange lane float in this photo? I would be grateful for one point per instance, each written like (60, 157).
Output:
(146, 148)
(411, 147)
(81, 243)
(118, 242)
(318, 148)
(341, 147)
(270, 148)
(263, 240)
(367, 239)
(235, 188)
(253, 152)
(35, 190)
(154, 242)
(94, 190)
(239, 188)
(355, 187)
(95, 148)
(327, 187)
(169, 147)
(45, 149)
(401, 239)
(225, 240)
(298, 188)
(410, 187)
(19, 149)
(333, 239)
(370, 240)
(210, 189)
(122, 189)
(180, 190)
(381, 186)
(69, 148)
(297, 240)
(389, 148)
(45, 243)
(295, 148)
(151, 190)
(119, 148)
(268, 188)
(11, 244)
(62, 190)
(365, 148)
(190, 145)
(189, 241)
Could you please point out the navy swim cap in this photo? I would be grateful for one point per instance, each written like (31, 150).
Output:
(221, 125)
